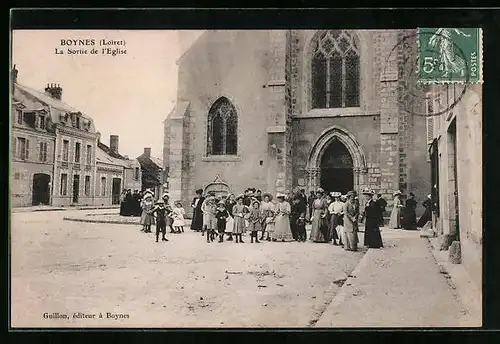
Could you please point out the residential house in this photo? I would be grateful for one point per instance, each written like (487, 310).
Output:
(152, 172)
(57, 156)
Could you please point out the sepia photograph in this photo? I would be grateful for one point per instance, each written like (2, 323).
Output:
(272, 178)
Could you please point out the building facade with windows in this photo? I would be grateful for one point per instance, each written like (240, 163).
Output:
(57, 156)
(455, 146)
(32, 145)
(275, 109)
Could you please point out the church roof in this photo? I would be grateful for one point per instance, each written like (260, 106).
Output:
(179, 110)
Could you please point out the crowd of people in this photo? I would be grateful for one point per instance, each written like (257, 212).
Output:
(334, 217)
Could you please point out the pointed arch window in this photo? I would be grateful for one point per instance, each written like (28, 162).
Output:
(335, 70)
(222, 129)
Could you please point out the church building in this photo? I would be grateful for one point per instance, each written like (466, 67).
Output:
(276, 109)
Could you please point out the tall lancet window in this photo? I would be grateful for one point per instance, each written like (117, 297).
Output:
(222, 129)
(335, 70)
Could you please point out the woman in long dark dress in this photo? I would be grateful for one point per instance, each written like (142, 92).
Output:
(410, 216)
(128, 206)
(122, 202)
(197, 222)
(373, 239)
(427, 215)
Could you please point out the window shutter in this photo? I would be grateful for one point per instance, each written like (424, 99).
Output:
(430, 129)
(14, 146)
(27, 149)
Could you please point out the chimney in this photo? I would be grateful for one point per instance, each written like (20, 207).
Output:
(14, 75)
(113, 143)
(147, 152)
(54, 90)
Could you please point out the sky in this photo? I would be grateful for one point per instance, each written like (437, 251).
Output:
(127, 95)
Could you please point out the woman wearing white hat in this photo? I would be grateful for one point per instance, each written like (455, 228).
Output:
(395, 221)
(147, 205)
(319, 230)
(282, 230)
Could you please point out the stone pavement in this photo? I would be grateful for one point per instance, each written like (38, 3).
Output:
(400, 285)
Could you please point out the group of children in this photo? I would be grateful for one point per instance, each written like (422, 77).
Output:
(236, 216)
(162, 214)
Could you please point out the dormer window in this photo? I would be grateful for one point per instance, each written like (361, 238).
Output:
(41, 122)
(20, 117)
(77, 121)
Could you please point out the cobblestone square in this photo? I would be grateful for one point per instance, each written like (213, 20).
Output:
(68, 267)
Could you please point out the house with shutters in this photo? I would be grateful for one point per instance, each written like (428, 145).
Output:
(57, 156)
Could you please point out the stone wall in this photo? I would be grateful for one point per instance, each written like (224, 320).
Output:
(389, 113)
(235, 64)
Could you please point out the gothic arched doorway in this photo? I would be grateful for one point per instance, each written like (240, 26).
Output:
(41, 189)
(336, 169)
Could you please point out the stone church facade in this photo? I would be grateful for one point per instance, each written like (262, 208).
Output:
(276, 109)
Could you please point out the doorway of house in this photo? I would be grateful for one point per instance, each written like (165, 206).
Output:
(337, 168)
(41, 189)
(76, 188)
(116, 191)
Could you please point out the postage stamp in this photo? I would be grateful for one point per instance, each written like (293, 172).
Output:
(450, 55)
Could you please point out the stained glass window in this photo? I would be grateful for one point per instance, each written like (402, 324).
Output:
(335, 70)
(222, 129)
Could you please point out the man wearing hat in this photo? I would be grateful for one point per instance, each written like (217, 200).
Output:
(372, 238)
(299, 206)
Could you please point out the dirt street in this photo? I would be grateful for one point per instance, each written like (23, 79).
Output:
(73, 267)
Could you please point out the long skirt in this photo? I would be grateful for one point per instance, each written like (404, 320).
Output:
(350, 240)
(122, 208)
(282, 231)
(229, 225)
(410, 220)
(197, 223)
(147, 219)
(373, 239)
(426, 217)
(395, 221)
(335, 220)
(319, 227)
(239, 225)
(210, 221)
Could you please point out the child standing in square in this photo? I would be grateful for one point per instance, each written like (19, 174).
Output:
(161, 219)
(301, 228)
(255, 221)
(222, 215)
(178, 216)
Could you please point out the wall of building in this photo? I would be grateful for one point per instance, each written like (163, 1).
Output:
(109, 172)
(129, 180)
(23, 170)
(233, 64)
(72, 168)
(469, 174)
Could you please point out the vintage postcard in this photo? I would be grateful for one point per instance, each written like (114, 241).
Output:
(284, 178)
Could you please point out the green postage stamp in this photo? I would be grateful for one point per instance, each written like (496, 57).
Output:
(448, 55)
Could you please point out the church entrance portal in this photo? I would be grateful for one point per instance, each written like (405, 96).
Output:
(336, 169)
